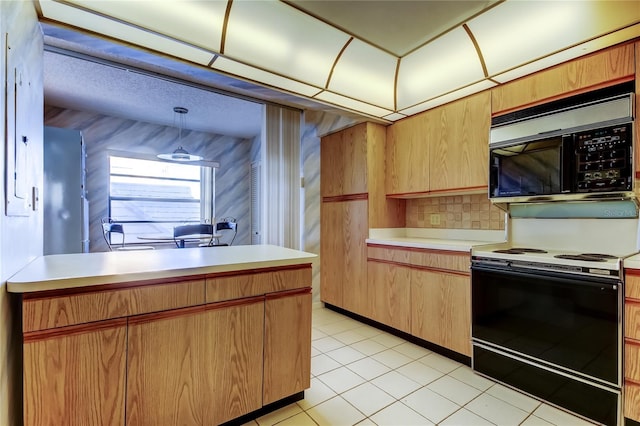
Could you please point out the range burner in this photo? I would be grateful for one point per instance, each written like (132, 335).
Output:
(584, 257)
(600, 255)
(519, 250)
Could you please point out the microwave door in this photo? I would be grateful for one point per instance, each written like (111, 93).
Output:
(527, 169)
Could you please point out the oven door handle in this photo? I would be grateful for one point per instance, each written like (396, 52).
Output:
(603, 283)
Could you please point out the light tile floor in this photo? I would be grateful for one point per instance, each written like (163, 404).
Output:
(362, 375)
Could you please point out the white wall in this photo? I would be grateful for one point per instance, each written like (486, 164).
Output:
(20, 236)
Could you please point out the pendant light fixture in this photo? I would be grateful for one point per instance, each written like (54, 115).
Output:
(180, 154)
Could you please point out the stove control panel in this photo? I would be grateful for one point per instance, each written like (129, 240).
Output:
(604, 159)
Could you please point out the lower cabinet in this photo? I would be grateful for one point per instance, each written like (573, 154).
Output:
(632, 345)
(75, 376)
(199, 365)
(287, 348)
(390, 294)
(179, 362)
(426, 293)
(343, 258)
(441, 310)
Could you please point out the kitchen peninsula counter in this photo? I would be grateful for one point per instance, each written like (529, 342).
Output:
(64, 271)
(164, 336)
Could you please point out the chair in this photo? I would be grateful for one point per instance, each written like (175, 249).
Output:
(227, 229)
(109, 228)
(183, 232)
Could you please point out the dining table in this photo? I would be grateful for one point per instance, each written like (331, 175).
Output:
(181, 240)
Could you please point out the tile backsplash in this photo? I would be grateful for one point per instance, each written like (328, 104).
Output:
(454, 212)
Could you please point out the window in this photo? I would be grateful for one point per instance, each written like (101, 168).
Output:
(151, 197)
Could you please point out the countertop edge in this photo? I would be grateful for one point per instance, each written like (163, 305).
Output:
(428, 243)
(26, 282)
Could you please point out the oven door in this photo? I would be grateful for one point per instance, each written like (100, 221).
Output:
(565, 321)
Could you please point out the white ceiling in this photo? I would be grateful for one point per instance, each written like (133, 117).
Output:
(83, 85)
(382, 60)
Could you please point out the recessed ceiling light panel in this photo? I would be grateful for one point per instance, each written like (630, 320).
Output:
(119, 31)
(446, 64)
(196, 22)
(366, 73)
(518, 32)
(279, 38)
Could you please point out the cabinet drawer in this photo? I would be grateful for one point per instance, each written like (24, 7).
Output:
(632, 360)
(632, 319)
(632, 401)
(41, 313)
(632, 285)
(390, 254)
(235, 285)
(454, 261)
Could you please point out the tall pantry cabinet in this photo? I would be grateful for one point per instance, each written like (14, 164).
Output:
(352, 171)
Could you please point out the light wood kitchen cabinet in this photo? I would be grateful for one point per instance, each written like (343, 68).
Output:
(424, 292)
(458, 139)
(165, 369)
(343, 248)
(233, 363)
(443, 150)
(610, 66)
(408, 155)
(441, 309)
(390, 294)
(345, 154)
(76, 375)
(353, 200)
(632, 345)
(287, 344)
(202, 364)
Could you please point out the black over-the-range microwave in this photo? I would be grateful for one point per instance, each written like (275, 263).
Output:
(579, 145)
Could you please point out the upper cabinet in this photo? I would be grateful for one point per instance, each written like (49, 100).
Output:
(458, 136)
(442, 150)
(344, 158)
(601, 69)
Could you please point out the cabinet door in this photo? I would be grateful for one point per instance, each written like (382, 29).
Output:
(287, 345)
(232, 369)
(343, 254)
(76, 376)
(343, 162)
(390, 294)
(458, 138)
(332, 252)
(441, 309)
(407, 168)
(355, 231)
(164, 378)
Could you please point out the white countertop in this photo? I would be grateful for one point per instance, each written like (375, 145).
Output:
(86, 269)
(436, 239)
(632, 262)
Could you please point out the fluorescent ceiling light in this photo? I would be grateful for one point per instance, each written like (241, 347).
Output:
(198, 23)
(449, 97)
(264, 77)
(445, 64)
(353, 104)
(275, 37)
(366, 73)
(573, 53)
(518, 32)
(126, 33)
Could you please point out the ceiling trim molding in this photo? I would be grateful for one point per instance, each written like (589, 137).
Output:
(395, 86)
(478, 51)
(225, 23)
(335, 62)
